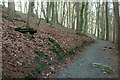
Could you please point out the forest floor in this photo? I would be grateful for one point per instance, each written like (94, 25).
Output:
(25, 56)
(102, 52)
(35, 56)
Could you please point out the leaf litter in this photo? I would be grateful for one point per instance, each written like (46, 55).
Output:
(18, 49)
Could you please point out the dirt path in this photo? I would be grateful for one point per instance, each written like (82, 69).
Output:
(82, 67)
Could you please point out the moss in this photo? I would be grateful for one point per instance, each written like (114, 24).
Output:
(51, 40)
(57, 49)
(5, 76)
(25, 29)
(71, 52)
(41, 66)
(48, 59)
(39, 53)
(60, 52)
(43, 55)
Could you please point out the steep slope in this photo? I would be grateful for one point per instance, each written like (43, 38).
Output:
(35, 55)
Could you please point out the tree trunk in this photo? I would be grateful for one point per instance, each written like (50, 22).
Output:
(73, 17)
(81, 18)
(77, 5)
(69, 15)
(56, 13)
(48, 12)
(117, 23)
(28, 14)
(107, 28)
(97, 18)
(20, 5)
(52, 21)
(25, 9)
(11, 10)
(42, 9)
(86, 21)
(63, 14)
(3, 3)
(31, 7)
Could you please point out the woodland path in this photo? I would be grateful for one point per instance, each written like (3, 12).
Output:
(82, 67)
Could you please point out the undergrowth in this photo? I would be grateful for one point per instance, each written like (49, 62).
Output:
(60, 52)
(41, 65)
(57, 48)
(61, 55)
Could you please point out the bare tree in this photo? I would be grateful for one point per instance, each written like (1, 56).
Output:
(117, 23)
(107, 26)
(11, 10)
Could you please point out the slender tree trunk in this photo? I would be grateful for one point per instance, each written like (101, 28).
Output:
(78, 17)
(56, 13)
(31, 8)
(114, 29)
(20, 5)
(69, 15)
(37, 10)
(97, 18)
(52, 21)
(40, 15)
(81, 18)
(48, 12)
(29, 12)
(63, 14)
(102, 22)
(11, 10)
(73, 17)
(117, 23)
(86, 21)
(25, 9)
(3, 3)
(107, 29)
(42, 9)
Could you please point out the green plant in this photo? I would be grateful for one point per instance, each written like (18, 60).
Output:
(28, 76)
(39, 53)
(71, 52)
(42, 46)
(25, 29)
(48, 59)
(41, 66)
(51, 40)
(57, 49)
(46, 56)
(5, 76)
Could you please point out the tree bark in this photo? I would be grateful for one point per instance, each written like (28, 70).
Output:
(86, 21)
(11, 10)
(77, 5)
(56, 13)
(52, 21)
(73, 17)
(97, 19)
(107, 26)
(117, 23)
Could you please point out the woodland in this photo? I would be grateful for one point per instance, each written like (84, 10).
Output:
(41, 38)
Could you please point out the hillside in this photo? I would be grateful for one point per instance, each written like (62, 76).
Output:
(39, 55)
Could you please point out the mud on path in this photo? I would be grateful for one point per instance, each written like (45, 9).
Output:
(100, 52)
